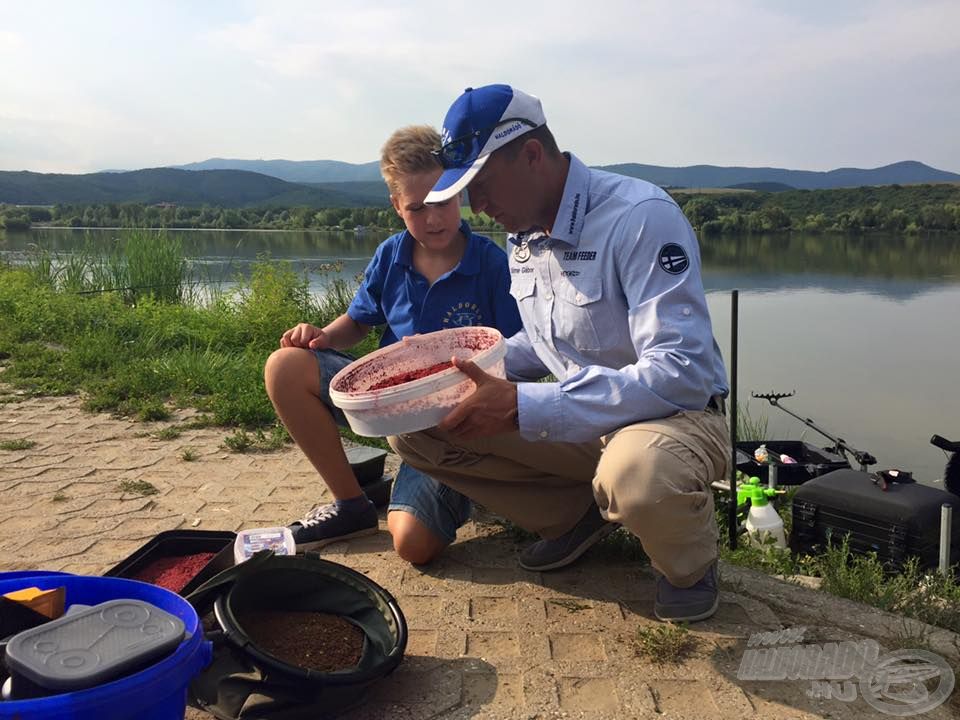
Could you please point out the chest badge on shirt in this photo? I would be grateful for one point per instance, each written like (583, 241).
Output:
(521, 253)
(464, 314)
(673, 259)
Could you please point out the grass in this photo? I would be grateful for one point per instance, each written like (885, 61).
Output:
(17, 444)
(138, 487)
(138, 264)
(664, 643)
(124, 329)
(188, 455)
(242, 441)
(60, 497)
(748, 427)
(169, 433)
(911, 591)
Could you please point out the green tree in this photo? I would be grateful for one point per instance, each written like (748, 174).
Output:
(700, 211)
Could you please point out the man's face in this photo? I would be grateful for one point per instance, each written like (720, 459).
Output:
(502, 191)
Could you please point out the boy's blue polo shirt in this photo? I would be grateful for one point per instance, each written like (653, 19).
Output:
(475, 292)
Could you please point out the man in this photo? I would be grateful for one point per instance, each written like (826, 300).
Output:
(606, 272)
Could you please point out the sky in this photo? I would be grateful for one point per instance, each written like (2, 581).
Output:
(800, 84)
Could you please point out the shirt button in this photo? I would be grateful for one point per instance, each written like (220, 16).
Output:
(544, 433)
(686, 311)
(579, 297)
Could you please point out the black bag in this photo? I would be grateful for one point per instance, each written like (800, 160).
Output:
(243, 682)
(896, 523)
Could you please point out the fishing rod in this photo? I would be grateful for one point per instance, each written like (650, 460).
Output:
(864, 458)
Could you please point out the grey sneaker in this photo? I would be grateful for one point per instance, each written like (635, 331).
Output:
(697, 602)
(328, 523)
(561, 551)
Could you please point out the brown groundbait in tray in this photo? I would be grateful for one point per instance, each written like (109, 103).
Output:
(318, 641)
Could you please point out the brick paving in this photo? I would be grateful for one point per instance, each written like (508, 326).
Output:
(487, 640)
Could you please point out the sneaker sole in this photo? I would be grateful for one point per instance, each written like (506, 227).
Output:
(589, 542)
(317, 544)
(690, 618)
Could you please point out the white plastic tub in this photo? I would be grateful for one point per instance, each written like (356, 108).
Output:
(248, 542)
(421, 403)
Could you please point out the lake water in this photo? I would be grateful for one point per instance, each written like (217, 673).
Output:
(865, 330)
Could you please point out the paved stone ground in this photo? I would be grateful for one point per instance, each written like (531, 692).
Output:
(487, 640)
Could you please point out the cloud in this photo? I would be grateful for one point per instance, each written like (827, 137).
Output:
(737, 82)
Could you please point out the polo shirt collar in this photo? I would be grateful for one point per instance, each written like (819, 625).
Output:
(573, 205)
(469, 264)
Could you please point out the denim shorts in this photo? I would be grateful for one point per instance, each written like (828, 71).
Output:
(442, 509)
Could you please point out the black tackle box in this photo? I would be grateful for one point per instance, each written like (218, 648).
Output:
(812, 461)
(178, 543)
(896, 524)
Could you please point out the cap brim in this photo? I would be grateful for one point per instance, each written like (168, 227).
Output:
(454, 180)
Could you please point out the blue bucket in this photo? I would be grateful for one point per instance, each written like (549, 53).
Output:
(20, 574)
(157, 693)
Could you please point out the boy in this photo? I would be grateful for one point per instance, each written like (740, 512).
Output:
(434, 275)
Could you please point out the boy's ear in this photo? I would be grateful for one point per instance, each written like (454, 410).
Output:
(395, 201)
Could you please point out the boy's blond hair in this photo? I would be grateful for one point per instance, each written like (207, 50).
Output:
(409, 150)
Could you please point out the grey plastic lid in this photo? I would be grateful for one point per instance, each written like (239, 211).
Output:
(93, 646)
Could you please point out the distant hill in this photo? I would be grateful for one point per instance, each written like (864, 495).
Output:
(711, 176)
(225, 188)
(771, 187)
(703, 176)
(329, 183)
(371, 192)
(298, 171)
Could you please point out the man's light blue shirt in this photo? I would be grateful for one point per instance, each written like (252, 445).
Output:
(613, 305)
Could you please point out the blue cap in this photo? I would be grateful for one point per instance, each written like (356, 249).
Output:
(479, 122)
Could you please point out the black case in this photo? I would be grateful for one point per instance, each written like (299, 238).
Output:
(898, 523)
(367, 463)
(811, 462)
(173, 543)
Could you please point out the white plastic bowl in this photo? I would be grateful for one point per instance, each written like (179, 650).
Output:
(421, 403)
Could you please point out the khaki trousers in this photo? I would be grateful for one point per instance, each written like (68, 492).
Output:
(652, 477)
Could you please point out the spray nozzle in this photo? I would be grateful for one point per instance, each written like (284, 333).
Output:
(752, 490)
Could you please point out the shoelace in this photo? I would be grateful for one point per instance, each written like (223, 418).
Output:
(319, 514)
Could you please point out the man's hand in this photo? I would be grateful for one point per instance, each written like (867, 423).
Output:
(305, 335)
(490, 410)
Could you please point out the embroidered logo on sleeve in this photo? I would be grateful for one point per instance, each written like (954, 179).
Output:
(673, 259)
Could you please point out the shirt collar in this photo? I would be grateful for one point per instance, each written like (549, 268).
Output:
(469, 264)
(573, 207)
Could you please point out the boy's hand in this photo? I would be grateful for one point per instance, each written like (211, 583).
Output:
(305, 335)
(490, 410)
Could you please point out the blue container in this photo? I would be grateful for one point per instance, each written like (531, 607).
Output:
(157, 693)
(20, 574)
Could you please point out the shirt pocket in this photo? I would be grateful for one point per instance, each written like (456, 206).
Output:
(578, 315)
(524, 291)
(523, 286)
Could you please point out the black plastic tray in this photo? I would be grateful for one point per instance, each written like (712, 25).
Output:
(174, 543)
(367, 463)
(812, 461)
